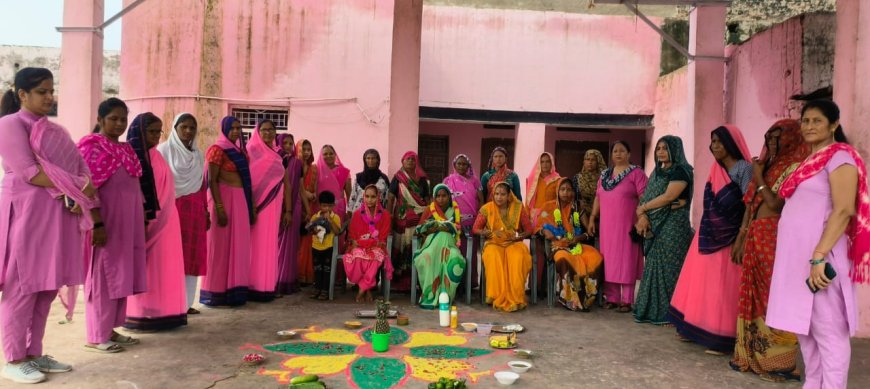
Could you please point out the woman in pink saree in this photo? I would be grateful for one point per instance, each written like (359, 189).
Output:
(163, 306)
(187, 163)
(271, 191)
(41, 167)
(117, 268)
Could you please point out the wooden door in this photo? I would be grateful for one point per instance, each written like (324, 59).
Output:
(434, 156)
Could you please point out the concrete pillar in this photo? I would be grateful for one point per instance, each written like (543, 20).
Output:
(852, 94)
(404, 80)
(81, 67)
(706, 82)
(530, 143)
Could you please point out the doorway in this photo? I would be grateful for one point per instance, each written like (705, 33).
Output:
(434, 155)
(487, 145)
(569, 155)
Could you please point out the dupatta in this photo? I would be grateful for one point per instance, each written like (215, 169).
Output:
(235, 152)
(267, 170)
(333, 179)
(463, 190)
(187, 164)
(136, 139)
(503, 228)
(791, 151)
(535, 176)
(410, 202)
(723, 198)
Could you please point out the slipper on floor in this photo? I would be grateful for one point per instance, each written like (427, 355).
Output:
(323, 297)
(123, 340)
(104, 348)
(193, 311)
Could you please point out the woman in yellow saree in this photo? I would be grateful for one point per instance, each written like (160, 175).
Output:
(578, 265)
(504, 223)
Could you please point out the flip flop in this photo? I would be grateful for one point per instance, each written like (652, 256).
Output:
(104, 348)
(123, 340)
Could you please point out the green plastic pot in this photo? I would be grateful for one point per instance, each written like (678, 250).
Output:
(380, 342)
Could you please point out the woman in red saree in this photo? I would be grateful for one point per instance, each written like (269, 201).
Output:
(307, 203)
(408, 198)
(368, 233)
(769, 352)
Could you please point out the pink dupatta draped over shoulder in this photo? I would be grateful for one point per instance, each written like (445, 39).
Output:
(267, 181)
(333, 180)
(464, 189)
(267, 170)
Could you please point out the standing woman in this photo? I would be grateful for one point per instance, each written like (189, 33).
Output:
(831, 229)
(408, 198)
(704, 306)
(163, 305)
(232, 206)
(371, 175)
(41, 168)
(270, 187)
(288, 236)
(334, 177)
(586, 182)
(187, 163)
(439, 262)
(768, 352)
(307, 202)
(499, 172)
(504, 223)
(467, 192)
(618, 193)
(667, 202)
(117, 268)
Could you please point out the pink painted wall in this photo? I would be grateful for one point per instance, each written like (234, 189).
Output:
(852, 93)
(671, 114)
(267, 54)
(537, 61)
(761, 77)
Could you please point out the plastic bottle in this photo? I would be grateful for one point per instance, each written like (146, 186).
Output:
(454, 317)
(444, 309)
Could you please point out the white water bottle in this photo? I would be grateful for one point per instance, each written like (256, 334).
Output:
(444, 309)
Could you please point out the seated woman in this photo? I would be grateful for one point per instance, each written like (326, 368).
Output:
(439, 262)
(579, 265)
(504, 223)
(368, 232)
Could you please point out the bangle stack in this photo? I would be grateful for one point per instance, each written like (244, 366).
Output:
(817, 261)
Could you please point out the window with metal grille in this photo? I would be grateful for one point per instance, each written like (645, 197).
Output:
(249, 117)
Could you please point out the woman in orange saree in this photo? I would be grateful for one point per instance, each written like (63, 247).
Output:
(504, 223)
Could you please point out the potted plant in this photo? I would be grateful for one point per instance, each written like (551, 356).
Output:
(381, 332)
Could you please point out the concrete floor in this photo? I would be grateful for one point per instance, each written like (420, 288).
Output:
(601, 349)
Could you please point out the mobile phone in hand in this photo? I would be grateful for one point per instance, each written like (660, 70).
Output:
(829, 272)
(68, 202)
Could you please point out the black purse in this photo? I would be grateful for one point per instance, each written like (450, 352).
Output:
(634, 236)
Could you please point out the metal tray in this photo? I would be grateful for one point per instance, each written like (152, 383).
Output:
(506, 328)
(371, 314)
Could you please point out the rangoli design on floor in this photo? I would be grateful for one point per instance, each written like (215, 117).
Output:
(422, 355)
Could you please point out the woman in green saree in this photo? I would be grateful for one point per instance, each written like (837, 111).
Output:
(439, 262)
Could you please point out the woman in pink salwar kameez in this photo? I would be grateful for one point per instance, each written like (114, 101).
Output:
(271, 195)
(163, 305)
(117, 269)
(820, 228)
(41, 167)
(233, 213)
(618, 194)
(288, 236)
(187, 163)
(368, 232)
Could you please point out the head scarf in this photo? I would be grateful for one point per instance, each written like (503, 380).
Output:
(136, 139)
(491, 167)
(661, 176)
(790, 152)
(267, 169)
(370, 176)
(284, 154)
(418, 169)
(299, 144)
(451, 214)
(586, 182)
(732, 139)
(333, 179)
(470, 172)
(187, 165)
(236, 153)
(535, 175)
